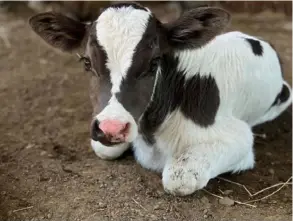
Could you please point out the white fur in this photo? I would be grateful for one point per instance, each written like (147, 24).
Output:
(150, 157)
(198, 154)
(248, 84)
(108, 153)
(188, 155)
(275, 110)
(127, 27)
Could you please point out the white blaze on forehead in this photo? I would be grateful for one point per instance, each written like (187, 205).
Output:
(119, 30)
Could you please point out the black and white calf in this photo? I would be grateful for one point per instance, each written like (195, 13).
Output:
(182, 94)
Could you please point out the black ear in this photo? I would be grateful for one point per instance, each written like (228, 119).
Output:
(58, 30)
(197, 27)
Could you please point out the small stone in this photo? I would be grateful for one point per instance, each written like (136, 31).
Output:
(29, 146)
(226, 201)
(49, 215)
(271, 171)
(43, 61)
(205, 211)
(43, 153)
(205, 216)
(273, 202)
(153, 217)
(109, 176)
(156, 207)
(160, 193)
(139, 179)
(227, 192)
(44, 177)
(102, 205)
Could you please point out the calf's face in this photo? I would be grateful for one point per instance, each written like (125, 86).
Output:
(123, 49)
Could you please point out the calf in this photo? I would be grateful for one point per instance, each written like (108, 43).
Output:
(182, 94)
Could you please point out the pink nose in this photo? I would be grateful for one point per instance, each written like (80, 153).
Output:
(114, 128)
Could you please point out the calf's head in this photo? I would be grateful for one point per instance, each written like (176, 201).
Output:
(123, 49)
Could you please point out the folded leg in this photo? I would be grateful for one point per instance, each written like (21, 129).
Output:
(225, 147)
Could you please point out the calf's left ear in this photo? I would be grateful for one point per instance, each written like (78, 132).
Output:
(58, 30)
(197, 27)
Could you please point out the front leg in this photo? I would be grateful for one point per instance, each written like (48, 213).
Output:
(226, 150)
(185, 174)
(109, 153)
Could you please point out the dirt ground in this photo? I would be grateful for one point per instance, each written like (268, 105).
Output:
(49, 172)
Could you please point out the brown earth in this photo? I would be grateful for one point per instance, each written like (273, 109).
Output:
(49, 172)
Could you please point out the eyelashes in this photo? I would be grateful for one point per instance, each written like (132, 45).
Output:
(87, 64)
(86, 61)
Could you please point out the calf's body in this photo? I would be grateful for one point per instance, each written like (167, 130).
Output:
(183, 95)
(218, 93)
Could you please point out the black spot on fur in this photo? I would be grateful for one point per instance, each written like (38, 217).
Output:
(256, 46)
(201, 100)
(283, 96)
(197, 98)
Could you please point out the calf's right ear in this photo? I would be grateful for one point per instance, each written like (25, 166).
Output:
(58, 30)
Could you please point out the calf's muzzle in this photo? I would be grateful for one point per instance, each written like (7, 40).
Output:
(109, 132)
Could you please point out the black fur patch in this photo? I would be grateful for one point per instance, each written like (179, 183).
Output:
(137, 86)
(256, 46)
(283, 96)
(98, 59)
(197, 98)
(201, 100)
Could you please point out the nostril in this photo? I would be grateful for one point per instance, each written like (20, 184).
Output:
(126, 129)
(96, 132)
(106, 135)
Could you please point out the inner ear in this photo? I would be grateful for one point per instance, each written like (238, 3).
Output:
(58, 30)
(197, 27)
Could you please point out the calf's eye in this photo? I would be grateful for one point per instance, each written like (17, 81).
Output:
(154, 64)
(86, 61)
(87, 64)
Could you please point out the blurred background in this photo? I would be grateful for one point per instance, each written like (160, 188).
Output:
(49, 172)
